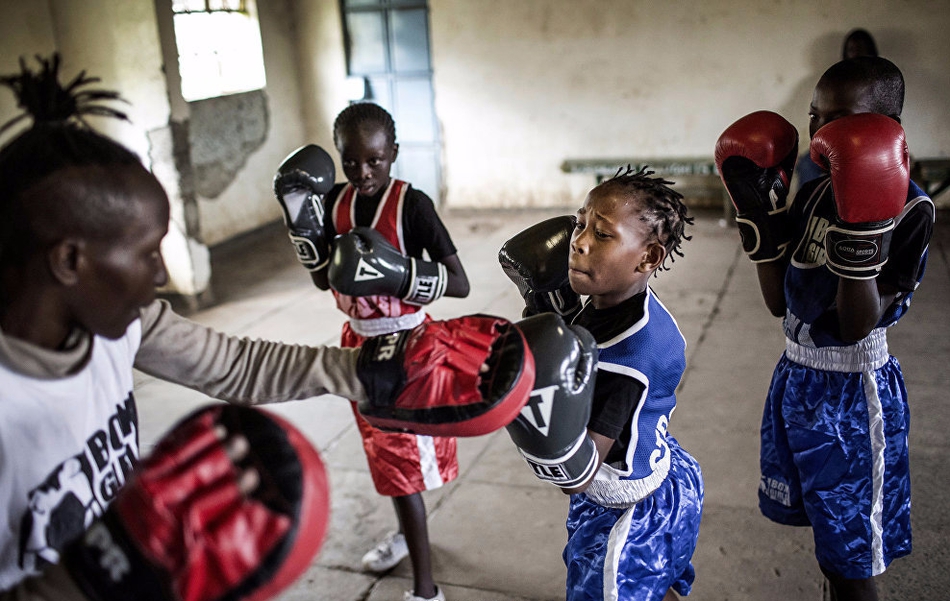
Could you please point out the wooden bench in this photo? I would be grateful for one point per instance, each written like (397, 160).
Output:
(696, 178)
(933, 175)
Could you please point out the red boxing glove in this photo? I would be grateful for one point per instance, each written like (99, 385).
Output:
(183, 530)
(430, 380)
(756, 157)
(866, 155)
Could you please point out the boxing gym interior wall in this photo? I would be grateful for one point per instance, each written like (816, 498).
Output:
(522, 90)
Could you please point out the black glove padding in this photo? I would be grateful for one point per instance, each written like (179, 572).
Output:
(551, 430)
(364, 263)
(300, 184)
(536, 261)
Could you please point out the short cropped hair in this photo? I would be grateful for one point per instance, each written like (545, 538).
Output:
(360, 114)
(884, 80)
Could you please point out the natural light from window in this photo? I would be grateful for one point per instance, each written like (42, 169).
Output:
(219, 47)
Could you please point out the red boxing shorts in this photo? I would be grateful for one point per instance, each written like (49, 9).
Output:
(403, 464)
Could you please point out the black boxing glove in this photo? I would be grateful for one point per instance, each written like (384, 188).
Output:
(364, 263)
(536, 261)
(551, 430)
(302, 180)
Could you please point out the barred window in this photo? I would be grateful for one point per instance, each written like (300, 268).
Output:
(219, 47)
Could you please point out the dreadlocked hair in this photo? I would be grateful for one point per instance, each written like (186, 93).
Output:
(60, 142)
(661, 207)
(363, 114)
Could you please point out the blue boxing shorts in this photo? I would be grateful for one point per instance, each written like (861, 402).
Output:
(834, 454)
(640, 552)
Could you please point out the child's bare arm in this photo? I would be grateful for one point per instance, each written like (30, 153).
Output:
(861, 303)
(320, 280)
(772, 284)
(457, 285)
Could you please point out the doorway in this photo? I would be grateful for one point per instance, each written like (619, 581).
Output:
(387, 46)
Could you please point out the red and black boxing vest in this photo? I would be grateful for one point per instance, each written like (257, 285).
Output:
(388, 222)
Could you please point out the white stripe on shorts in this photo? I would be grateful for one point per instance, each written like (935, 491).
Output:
(615, 544)
(876, 434)
(429, 462)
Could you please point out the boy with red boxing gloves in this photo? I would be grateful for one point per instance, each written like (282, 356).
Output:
(839, 264)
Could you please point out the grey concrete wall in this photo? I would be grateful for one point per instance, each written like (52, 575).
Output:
(522, 86)
(243, 140)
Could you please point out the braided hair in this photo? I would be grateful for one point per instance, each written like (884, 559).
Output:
(363, 114)
(661, 207)
(59, 175)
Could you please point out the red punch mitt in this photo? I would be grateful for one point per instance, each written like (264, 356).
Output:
(867, 157)
(184, 529)
(460, 377)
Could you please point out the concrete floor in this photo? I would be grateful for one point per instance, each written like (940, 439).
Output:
(496, 532)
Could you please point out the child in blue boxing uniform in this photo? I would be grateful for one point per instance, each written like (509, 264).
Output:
(840, 268)
(633, 528)
(636, 495)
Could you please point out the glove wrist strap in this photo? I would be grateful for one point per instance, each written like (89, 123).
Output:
(427, 282)
(574, 467)
(858, 252)
(311, 257)
(764, 234)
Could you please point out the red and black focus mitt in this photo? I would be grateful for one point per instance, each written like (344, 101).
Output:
(188, 527)
(459, 377)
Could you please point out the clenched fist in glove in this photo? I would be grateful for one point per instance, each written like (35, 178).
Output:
(756, 158)
(551, 430)
(364, 263)
(459, 377)
(867, 158)
(536, 261)
(232, 504)
(301, 182)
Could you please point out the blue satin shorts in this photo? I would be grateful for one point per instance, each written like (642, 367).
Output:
(640, 552)
(834, 457)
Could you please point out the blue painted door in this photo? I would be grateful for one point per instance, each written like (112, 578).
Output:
(388, 46)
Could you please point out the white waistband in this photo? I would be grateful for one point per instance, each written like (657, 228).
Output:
(866, 355)
(620, 494)
(387, 325)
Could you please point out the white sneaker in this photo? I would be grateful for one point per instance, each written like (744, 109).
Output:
(387, 553)
(408, 596)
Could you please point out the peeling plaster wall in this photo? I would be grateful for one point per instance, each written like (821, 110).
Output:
(223, 133)
(238, 141)
(519, 87)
